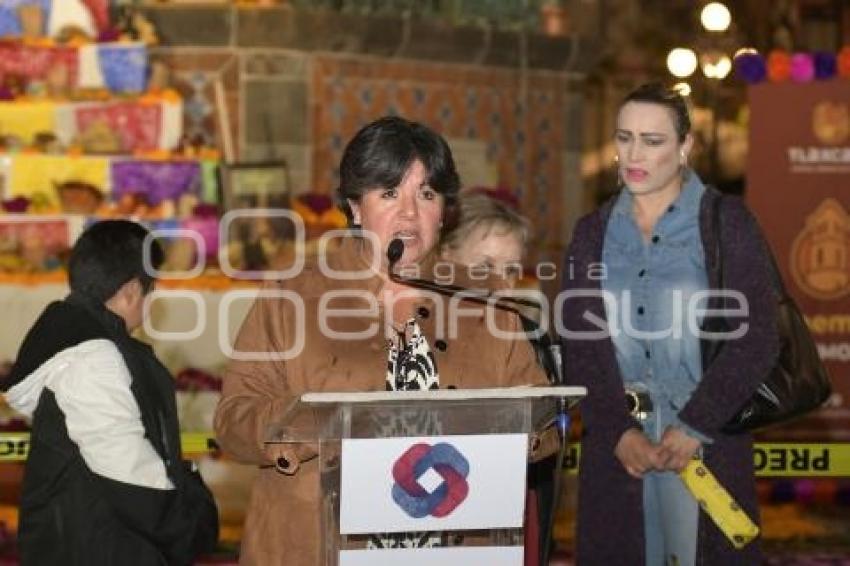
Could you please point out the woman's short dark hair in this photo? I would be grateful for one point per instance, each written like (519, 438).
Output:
(379, 155)
(656, 93)
(107, 255)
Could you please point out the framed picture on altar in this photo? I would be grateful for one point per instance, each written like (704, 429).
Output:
(255, 185)
(260, 236)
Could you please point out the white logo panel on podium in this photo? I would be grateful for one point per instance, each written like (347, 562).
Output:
(433, 483)
(460, 556)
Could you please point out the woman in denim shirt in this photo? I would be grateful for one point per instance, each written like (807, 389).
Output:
(652, 403)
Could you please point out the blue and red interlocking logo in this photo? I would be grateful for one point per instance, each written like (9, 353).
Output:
(446, 461)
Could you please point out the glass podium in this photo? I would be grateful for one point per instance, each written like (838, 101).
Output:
(422, 477)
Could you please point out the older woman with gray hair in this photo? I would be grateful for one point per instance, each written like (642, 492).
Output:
(490, 235)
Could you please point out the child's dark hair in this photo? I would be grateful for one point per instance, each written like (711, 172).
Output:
(109, 254)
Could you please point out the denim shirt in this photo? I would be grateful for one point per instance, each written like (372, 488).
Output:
(653, 282)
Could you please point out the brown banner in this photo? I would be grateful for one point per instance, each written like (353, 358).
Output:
(798, 185)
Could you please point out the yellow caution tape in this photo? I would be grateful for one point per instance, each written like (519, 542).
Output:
(776, 459)
(15, 446)
(195, 443)
(719, 505)
(779, 459)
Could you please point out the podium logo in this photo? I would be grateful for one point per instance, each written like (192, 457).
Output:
(820, 254)
(445, 460)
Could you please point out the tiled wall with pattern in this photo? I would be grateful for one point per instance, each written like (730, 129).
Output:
(518, 117)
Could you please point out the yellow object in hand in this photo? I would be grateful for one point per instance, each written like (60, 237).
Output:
(719, 505)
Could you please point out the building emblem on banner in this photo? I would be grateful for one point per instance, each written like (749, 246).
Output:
(820, 254)
(448, 468)
(831, 122)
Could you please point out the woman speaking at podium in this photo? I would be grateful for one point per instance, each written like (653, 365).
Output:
(397, 183)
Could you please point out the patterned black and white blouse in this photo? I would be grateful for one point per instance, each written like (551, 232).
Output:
(410, 362)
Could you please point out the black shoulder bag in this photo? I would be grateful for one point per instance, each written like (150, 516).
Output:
(798, 382)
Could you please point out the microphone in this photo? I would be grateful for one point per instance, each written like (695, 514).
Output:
(394, 252)
(396, 249)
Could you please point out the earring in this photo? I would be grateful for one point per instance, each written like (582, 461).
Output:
(620, 182)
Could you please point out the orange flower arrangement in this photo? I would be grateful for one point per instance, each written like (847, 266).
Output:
(319, 210)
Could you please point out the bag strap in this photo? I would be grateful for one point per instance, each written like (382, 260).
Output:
(775, 274)
(773, 266)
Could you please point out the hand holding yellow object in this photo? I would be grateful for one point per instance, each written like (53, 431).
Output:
(718, 504)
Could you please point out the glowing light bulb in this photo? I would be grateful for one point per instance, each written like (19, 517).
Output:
(681, 62)
(715, 17)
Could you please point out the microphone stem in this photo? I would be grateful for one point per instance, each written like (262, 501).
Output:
(562, 422)
(479, 296)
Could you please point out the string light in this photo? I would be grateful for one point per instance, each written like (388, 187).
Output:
(682, 62)
(715, 17)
